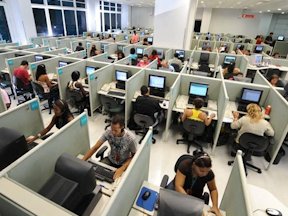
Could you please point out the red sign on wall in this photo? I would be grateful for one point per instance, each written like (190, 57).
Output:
(248, 16)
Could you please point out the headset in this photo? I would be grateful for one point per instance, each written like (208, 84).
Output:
(200, 154)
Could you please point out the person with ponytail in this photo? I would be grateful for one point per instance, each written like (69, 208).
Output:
(253, 122)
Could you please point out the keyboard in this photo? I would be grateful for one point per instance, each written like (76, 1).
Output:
(103, 173)
(242, 107)
(116, 93)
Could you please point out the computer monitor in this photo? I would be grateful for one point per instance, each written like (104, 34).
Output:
(281, 38)
(102, 46)
(150, 39)
(251, 95)
(121, 76)
(126, 37)
(160, 53)
(89, 70)
(62, 63)
(259, 49)
(12, 146)
(198, 89)
(229, 60)
(157, 82)
(139, 51)
(46, 57)
(120, 48)
(257, 59)
(181, 53)
(238, 46)
(173, 203)
(38, 58)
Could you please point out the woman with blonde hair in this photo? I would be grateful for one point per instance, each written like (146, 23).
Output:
(253, 122)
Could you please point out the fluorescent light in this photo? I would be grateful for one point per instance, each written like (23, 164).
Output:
(279, 9)
(268, 10)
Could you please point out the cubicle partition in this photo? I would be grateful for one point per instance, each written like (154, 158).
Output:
(278, 120)
(206, 44)
(281, 47)
(75, 43)
(124, 61)
(39, 49)
(101, 58)
(38, 40)
(228, 45)
(153, 65)
(79, 54)
(6, 55)
(7, 45)
(3, 107)
(241, 61)
(62, 51)
(169, 54)
(260, 79)
(25, 118)
(123, 197)
(126, 49)
(51, 42)
(236, 46)
(64, 43)
(236, 200)
(194, 44)
(22, 47)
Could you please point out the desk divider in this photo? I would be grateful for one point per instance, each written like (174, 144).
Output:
(219, 75)
(101, 57)
(62, 51)
(89, 45)
(234, 90)
(124, 61)
(153, 65)
(281, 47)
(280, 90)
(51, 42)
(148, 50)
(169, 54)
(194, 44)
(3, 107)
(229, 45)
(126, 49)
(22, 47)
(282, 62)
(135, 82)
(278, 120)
(236, 200)
(38, 40)
(9, 44)
(212, 56)
(260, 79)
(64, 43)
(111, 48)
(244, 65)
(6, 55)
(79, 54)
(124, 195)
(39, 49)
(235, 45)
(34, 168)
(25, 118)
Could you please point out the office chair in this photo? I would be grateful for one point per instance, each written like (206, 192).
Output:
(272, 71)
(145, 121)
(42, 95)
(252, 144)
(165, 179)
(134, 62)
(176, 67)
(192, 129)
(204, 68)
(286, 92)
(204, 59)
(112, 106)
(21, 91)
(76, 100)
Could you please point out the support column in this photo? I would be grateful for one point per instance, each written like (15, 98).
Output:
(206, 19)
(174, 23)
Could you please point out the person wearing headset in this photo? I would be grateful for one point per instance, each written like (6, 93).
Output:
(122, 143)
(191, 177)
(61, 117)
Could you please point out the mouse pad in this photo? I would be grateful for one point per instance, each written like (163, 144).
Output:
(149, 203)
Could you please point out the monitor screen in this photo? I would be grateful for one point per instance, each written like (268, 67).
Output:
(259, 48)
(126, 37)
(62, 63)
(139, 51)
(19, 54)
(157, 82)
(150, 39)
(229, 59)
(90, 70)
(102, 46)
(251, 95)
(198, 89)
(258, 59)
(181, 53)
(160, 53)
(281, 38)
(38, 58)
(121, 76)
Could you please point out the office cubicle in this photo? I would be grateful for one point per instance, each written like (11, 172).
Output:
(75, 43)
(236, 200)
(62, 51)
(38, 40)
(224, 46)
(241, 61)
(282, 65)
(235, 46)
(281, 47)
(21, 47)
(3, 107)
(204, 44)
(195, 58)
(79, 54)
(65, 42)
(7, 45)
(39, 49)
(6, 55)
(260, 79)
(51, 42)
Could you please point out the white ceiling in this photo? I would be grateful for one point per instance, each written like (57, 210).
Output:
(264, 6)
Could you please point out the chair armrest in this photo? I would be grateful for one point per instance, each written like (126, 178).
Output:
(100, 153)
(164, 181)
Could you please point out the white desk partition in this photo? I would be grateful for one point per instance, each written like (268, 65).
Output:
(38, 40)
(22, 47)
(39, 49)
(34, 168)
(64, 43)
(25, 118)
(112, 49)
(62, 51)
(126, 49)
(281, 47)
(236, 200)
(6, 55)
(278, 120)
(153, 65)
(260, 79)
(51, 42)
(9, 44)
(101, 57)
(3, 107)
(123, 197)
(194, 44)
(124, 61)
(79, 54)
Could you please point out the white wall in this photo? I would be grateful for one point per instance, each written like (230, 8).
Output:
(206, 19)
(93, 15)
(199, 14)
(279, 25)
(142, 17)
(126, 16)
(230, 21)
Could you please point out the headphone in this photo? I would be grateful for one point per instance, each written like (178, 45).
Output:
(199, 154)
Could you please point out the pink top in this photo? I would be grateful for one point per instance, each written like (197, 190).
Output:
(5, 96)
(135, 38)
(143, 64)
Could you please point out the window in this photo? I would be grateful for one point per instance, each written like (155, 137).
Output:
(81, 18)
(37, 1)
(110, 15)
(80, 5)
(4, 29)
(70, 22)
(53, 2)
(40, 21)
(67, 4)
(56, 22)
(113, 21)
(107, 21)
(118, 21)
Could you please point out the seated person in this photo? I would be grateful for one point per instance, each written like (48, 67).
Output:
(79, 47)
(122, 143)
(75, 84)
(153, 56)
(43, 80)
(274, 80)
(22, 74)
(164, 64)
(191, 177)
(62, 116)
(133, 54)
(144, 62)
(247, 52)
(175, 60)
(196, 114)
(5, 98)
(253, 122)
(269, 39)
(93, 51)
(145, 42)
(120, 55)
(147, 105)
(276, 55)
(230, 71)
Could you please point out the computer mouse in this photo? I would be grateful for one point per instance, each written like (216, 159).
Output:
(146, 195)
(273, 212)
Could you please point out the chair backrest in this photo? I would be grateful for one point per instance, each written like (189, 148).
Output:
(38, 88)
(18, 83)
(134, 62)
(253, 142)
(110, 104)
(204, 58)
(176, 67)
(196, 128)
(74, 96)
(204, 68)
(144, 121)
(180, 159)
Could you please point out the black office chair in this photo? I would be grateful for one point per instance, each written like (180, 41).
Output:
(204, 59)
(134, 62)
(145, 121)
(43, 96)
(165, 179)
(112, 106)
(176, 67)
(193, 129)
(252, 144)
(77, 100)
(204, 68)
(22, 94)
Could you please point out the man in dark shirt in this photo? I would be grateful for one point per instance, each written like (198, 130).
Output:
(79, 47)
(147, 105)
(269, 39)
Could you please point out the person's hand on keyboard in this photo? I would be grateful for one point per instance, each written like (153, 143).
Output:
(212, 115)
(118, 173)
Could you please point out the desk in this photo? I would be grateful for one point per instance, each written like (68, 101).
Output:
(111, 86)
(136, 210)
(52, 76)
(195, 66)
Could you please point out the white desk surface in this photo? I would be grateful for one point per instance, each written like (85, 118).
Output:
(52, 76)
(195, 66)
(5, 70)
(263, 199)
(138, 211)
(163, 105)
(111, 87)
(281, 68)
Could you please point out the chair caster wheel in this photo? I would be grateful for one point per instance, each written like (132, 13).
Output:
(153, 141)
(229, 163)
(259, 171)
